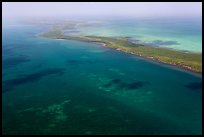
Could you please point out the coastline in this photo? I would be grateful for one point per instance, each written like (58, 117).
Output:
(173, 66)
(150, 59)
(187, 61)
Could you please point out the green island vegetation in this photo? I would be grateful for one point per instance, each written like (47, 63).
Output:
(188, 61)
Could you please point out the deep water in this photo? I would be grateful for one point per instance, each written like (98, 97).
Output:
(72, 87)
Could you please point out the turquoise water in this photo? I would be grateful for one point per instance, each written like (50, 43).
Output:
(176, 33)
(72, 87)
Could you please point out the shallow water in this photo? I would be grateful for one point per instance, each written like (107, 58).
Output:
(183, 34)
(72, 87)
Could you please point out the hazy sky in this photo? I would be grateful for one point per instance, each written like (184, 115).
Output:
(135, 9)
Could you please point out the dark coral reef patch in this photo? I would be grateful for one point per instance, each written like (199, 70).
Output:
(126, 85)
(10, 84)
(194, 86)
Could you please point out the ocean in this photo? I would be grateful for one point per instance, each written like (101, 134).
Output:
(73, 87)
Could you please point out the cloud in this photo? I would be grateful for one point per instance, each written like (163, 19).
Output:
(136, 9)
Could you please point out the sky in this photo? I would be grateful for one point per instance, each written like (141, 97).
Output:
(132, 9)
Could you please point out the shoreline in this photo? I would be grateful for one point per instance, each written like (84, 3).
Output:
(150, 59)
(191, 62)
(173, 66)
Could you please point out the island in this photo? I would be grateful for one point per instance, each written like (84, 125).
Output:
(189, 61)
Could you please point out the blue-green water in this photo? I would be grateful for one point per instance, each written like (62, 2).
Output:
(176, 33)
(72, 87)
